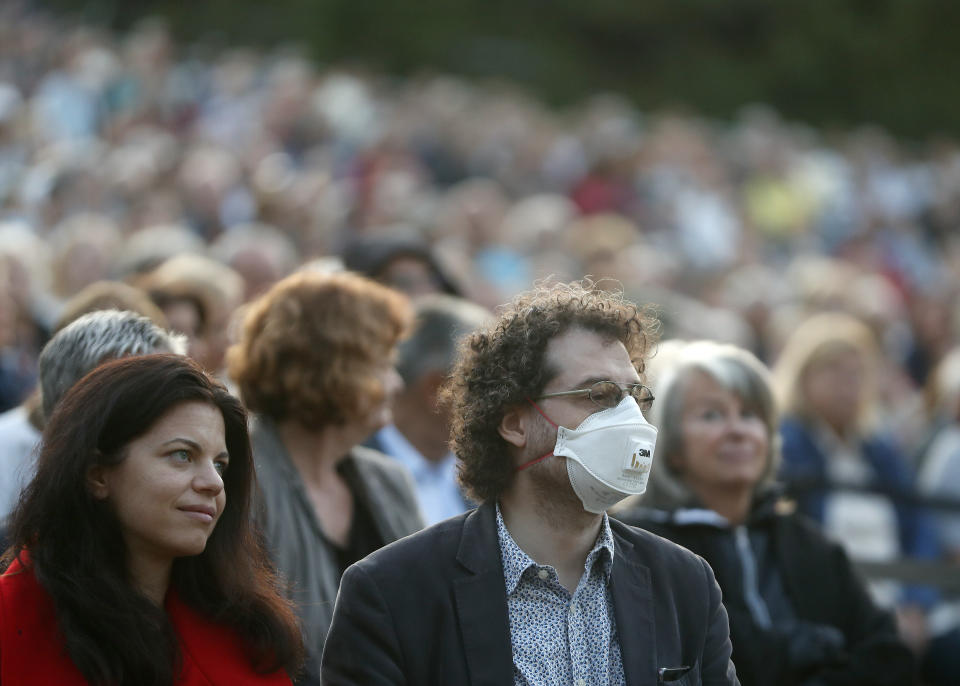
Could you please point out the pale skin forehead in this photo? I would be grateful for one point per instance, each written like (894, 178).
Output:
(196, 421)
(580, 357)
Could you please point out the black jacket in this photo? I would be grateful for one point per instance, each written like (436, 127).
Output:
(432, 609)
(817, 582)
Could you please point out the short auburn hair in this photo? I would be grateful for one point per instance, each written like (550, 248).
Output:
(311, 346)
(499, 367)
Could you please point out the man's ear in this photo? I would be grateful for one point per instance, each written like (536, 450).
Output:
(97, 482)
(514, 426)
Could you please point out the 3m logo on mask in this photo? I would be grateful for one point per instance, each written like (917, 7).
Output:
(639, 461)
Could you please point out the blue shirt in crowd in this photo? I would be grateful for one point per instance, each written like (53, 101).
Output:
(436, 482)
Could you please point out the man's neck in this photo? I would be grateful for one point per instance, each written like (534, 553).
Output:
(559, 539)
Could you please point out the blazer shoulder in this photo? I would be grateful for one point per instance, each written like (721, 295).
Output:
(372, 459)
(431, 546)
(389, 483)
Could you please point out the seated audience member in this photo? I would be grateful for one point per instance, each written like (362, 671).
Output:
(798, 612)
(538, 585)
(939, 477)
(133, 559)
(939, 462)
(72, 352)
(261, 254)
(315, 362)
(199, 296)
(109, 295)
(420, 434)
(845, 470)
(406, 264)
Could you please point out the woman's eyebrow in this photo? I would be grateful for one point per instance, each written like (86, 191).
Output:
(193, 444)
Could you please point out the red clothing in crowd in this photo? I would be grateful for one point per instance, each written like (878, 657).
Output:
(32, 649)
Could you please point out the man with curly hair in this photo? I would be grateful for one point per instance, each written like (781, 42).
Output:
(537, 585)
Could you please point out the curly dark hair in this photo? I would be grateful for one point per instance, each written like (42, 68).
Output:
(500, 366)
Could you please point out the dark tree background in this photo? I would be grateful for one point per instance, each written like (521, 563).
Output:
(827, 62)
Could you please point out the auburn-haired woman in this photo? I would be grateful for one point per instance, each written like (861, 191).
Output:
(133, 560)
(315, 363)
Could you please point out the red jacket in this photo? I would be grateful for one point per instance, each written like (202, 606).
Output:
(32, 649)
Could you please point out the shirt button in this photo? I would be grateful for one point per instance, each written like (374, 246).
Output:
(581, 682)
(543, 574)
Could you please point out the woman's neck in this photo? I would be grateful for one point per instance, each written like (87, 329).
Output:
(315, 453)
(732, 504)
(150, 575)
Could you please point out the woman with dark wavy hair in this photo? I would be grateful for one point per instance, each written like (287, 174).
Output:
(133, 559)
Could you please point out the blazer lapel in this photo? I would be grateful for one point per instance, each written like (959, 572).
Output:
(481, 600)
(633, 608)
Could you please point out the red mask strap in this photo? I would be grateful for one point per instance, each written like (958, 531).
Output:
(532, 462)
(542, 457)
(537, 408)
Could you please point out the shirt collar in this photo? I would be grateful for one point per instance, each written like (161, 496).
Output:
(516, 561)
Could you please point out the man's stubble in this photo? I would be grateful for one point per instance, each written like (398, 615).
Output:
(556, 502)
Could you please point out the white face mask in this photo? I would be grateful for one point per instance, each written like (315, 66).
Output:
(608, 456)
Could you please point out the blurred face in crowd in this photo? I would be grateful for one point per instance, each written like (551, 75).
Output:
(391, 382)
(409, 275)
(833, 387)
(725, 443)
(216, 339)
(167, 492)
(184, 317)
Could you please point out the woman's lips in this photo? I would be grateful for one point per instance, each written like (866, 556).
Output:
(203, 513)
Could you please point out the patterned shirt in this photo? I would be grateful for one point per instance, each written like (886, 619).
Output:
(558, 638)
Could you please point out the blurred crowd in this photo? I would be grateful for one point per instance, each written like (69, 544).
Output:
(204, 176)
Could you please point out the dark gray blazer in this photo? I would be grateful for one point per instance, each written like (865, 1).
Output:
(293, 535)
(432, 609)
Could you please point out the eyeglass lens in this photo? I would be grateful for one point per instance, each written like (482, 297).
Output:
(609, 394)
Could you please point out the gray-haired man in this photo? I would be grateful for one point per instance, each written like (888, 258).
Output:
(73, 352)
(420, 434)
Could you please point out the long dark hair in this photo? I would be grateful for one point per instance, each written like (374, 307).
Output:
(113, 633)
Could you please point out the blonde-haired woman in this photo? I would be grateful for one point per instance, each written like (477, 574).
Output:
(845, 470)
(834, 445)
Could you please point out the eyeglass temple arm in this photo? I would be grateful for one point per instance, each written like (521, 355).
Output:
(554, 395)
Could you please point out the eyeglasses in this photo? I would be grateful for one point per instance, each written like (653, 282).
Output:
(608, 394)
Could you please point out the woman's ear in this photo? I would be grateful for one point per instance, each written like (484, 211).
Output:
(514, 426)
(97, 482)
